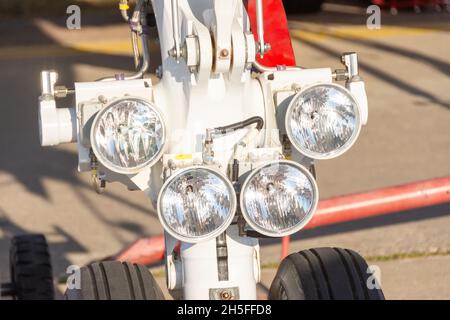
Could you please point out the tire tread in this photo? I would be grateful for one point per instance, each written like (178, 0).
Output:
(31, 269)
(115, 280)
(323, 274)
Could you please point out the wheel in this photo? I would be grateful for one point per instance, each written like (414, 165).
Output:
(31, 269)
(302, 6)
(324, 274)
(114, 280)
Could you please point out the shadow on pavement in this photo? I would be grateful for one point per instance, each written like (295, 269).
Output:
(402, 84)
(22, 158)
(59, 250)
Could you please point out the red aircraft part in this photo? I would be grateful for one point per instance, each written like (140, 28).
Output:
(276, 33)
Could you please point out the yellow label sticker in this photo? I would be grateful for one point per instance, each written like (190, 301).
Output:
(183, 156)
(124, 6)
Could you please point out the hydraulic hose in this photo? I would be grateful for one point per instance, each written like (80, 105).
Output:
(137, 21)
(242, 124)
(123, 6)
(261, 68)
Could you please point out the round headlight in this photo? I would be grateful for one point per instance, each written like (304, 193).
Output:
(196, 204)
(279, 198)
(323, 121)
(128, 135)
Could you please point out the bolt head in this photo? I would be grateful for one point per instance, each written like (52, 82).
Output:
(226, 295)
(224, 53)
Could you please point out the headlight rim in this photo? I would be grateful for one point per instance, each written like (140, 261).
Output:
(121, 170)
(216, 232)
(298, 227)
(337, 152)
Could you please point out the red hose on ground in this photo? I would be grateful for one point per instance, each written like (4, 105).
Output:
(285, 246)
(378, 202)
(144, 251)
(382, 201)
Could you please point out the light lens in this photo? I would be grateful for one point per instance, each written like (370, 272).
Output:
(323, 121)
(128, 135)
(196, 204)
(279, 198)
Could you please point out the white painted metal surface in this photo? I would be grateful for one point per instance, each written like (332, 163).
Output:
(358, 89)
(57, 125)
(200, 267)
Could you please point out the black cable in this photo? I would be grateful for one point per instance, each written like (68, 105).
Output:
(242, 124)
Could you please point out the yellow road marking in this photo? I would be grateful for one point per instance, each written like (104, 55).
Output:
(356, 32)
(40, 51)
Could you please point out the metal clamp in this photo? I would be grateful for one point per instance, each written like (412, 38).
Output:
(350, 61)
(351, 72)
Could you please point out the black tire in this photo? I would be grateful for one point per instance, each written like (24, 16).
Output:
(31, 269)
(302, 6)
(114, 280)
(323, 274)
